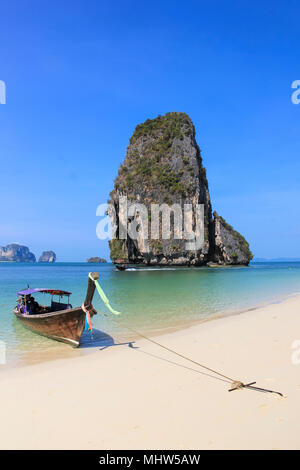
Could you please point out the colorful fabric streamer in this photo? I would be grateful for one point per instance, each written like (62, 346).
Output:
(88, 321)
(103, 296)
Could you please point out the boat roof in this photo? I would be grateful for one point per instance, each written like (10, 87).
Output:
(45, 290)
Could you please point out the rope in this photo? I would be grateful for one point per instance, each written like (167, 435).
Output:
(106, 302)
(235, 384)
(178, 354)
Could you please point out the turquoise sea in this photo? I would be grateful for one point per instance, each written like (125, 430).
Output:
(152, 300)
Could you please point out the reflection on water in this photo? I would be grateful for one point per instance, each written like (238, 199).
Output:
(150, 299)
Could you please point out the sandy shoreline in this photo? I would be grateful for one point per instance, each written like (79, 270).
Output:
(124, 398)
(103, 338)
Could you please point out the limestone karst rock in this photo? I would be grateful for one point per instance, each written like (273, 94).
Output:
(163, 165)
(47, 257)
(96, 259)
(16, 253)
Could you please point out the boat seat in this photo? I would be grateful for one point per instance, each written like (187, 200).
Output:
(57, 306)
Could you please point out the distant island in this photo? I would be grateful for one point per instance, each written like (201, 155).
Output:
(96, 259)
(276, 260)
(47, 257)
(163, 165)
(16, 253)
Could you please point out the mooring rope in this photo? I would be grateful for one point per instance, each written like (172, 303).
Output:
(235, 384)
(175, 352)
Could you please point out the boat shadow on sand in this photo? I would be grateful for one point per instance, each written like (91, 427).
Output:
(101, 340)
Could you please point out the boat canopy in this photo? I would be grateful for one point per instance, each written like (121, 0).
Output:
(45, 290)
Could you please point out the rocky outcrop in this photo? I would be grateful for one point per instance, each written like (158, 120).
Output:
(47, 257)
(16, 253)
(230, 247)
(96, 259)
(163, 165)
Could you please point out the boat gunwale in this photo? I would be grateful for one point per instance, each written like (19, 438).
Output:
(45, 315)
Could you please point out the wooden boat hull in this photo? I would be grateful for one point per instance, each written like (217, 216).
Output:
(65, 326)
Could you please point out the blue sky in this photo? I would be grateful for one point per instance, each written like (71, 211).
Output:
(81, 75)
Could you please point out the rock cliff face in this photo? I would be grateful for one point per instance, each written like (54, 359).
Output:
(47, 257)
(163, 165)
(229, 246)
(16, 253)
(96, 259)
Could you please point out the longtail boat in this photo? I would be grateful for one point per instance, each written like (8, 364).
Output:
(121, 267)
(60, 321)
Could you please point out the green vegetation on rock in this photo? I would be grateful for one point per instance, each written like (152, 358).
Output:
(117, 249)
(149, 157)
(156, 246)
(169, 127)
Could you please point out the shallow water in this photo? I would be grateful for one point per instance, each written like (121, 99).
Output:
(150, 299)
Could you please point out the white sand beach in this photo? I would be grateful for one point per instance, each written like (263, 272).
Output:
(147, 398)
